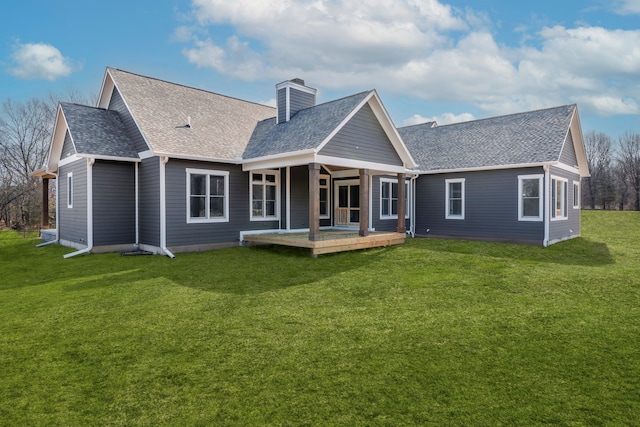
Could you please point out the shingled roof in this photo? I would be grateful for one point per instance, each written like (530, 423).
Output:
(306, 130)
(97, 132)
(220, 129)
(534, 137)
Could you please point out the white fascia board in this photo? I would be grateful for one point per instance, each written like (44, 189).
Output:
(301, 88)
(196, 158)
(483, 168)
(116, 158)
(68, 160)
(392, 132)
(280, 160)
(57, 140)
(358, 164)
(106, 90)
(578, 144)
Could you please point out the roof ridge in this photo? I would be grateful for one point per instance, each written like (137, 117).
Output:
(495, 117)
(190, 87)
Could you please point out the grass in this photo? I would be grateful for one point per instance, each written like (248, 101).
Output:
(430, 333)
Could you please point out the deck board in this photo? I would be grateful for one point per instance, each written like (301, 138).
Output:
(329, 241)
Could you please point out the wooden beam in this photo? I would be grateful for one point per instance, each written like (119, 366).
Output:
(364, 202)
(314, 201)
(401, 203)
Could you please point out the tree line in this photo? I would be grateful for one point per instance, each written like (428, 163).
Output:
(26, 128)
(25, 135)
(615, 172)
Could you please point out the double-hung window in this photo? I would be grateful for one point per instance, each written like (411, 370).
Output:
(558, 198)
(264, 189)
(389, 198)
(454, 198)
(576, 195)
(70, 190)
(207, 196)
(530, 197)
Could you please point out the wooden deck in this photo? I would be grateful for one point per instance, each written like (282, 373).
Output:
(330, 240)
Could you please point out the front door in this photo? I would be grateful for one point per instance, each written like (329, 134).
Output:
(347, 204)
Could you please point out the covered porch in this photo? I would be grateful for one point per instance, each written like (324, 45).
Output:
(329, 241)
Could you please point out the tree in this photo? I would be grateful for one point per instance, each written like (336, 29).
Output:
(599, 186)
(629, 158)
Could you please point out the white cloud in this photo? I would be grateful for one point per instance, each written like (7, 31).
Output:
(35, 61)
(420, 48)
(441, 120)
(271, 102)
(627, 7)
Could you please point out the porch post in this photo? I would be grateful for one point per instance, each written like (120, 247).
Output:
(364, 202)
(314, 201)
(401, 203)
(45, 203)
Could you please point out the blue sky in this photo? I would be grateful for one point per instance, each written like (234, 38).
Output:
(444, 60)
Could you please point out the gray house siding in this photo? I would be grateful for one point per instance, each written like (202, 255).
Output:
(379, 224)
(568, 154)
(299, 100)
(181, 233)
(113, 203)
(72, 222)
(363, 139)
(562, 229)
(299, 197)
(67, 148)
(117, 103)
(282, 105)
(149, 201)
(491, 207)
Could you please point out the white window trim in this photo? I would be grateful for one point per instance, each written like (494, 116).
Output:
(406, 199)
(264, 172)
(564, 201)
(208, 172)
(70, 190)
(540, 179)
(576, 194)
(328, 187)
(446, 198)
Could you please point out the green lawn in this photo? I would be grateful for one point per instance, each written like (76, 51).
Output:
(433, 332)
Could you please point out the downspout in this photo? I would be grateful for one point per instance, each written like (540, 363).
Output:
(163, 208)
(90, 162)
(545, 242)
(137, 243)
(412, 204)
(57, 239)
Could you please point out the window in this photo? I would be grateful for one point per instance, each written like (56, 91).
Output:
(558, 198)
(530, 198)
(454, 198)
(207, 196)
(576, 195)
(389, 198)
(264, 195)
(324, 196)
(70, 190)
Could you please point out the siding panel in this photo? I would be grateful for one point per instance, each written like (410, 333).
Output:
(67, 148)
(73, 221)
(570, 227)
(299, 197)
(149, 201)
(363, 139)
(568, 155)
(491, 207)
(282, 105)
(300, 100)
(113, 203)
(180, 233)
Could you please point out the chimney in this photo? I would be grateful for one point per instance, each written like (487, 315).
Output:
(291, 97)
